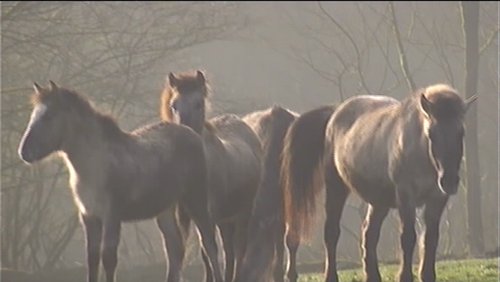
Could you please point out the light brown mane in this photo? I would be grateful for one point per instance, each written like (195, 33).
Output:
(187, 83)
(80, 107)
(446, 101)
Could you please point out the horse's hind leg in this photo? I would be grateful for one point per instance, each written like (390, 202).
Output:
(175, 232)
(93, 235)
(336, 196)
(370, 236)
(227, 233)
(432, 216)
(292, 245)
(110, 241)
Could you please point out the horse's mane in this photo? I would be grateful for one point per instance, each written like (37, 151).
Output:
(445, 99)
(80, 105)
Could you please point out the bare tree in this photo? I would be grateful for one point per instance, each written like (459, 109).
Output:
(470, 24)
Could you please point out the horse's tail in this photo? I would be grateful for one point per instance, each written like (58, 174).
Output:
(302, 155)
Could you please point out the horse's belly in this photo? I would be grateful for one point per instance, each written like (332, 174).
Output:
(373, 186)
(147, 201)
(143, 209)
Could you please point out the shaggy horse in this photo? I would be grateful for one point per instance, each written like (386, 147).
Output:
(392, 154)
(119, 176)
(233, 156)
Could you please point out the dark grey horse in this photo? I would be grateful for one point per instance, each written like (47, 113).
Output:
(233, 155)
(392, 154)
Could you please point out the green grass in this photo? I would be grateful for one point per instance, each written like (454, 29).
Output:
(479, 270)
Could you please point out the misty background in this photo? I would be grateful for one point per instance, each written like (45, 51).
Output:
(299, 55)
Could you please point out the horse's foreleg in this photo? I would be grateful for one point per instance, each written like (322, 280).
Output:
(279, 251)
(406, 209)
(241, 238)
(198, 209)
(111, 239)
(432, 216)
(336, 196)
(371, 233)
(208, 268)
(93, 235)
(227, 232)
(292, 245)
(174, 234)
(207, 233)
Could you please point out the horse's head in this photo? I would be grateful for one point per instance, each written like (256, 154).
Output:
(444, 113)
(183, 100)
(46, 127)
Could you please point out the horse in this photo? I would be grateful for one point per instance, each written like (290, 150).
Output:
(265, 247)
(233, 156)
(392, 154)
(118, 176)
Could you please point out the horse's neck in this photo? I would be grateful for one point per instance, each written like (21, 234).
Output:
(413, 138)
(86, 145)
(412, 123)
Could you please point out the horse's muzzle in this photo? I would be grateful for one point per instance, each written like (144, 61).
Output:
(450, 184)
(27, 156)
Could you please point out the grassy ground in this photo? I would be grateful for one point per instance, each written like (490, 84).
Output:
(480, 270)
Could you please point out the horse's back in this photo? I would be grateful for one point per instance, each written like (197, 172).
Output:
(263, 122)
(169, 138)
(235, 134)
(354, 108)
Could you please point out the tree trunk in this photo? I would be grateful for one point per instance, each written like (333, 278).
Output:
(470, 24)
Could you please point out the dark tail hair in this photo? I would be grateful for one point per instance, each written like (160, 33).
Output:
(302, 154)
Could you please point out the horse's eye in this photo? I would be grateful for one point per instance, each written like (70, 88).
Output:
(173, 106)
(432, 134)
(48, 115)
(198, 105)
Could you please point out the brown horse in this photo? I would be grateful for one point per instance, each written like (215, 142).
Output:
(118, 176)
(233, 155)
(265, 248)
(392, 154)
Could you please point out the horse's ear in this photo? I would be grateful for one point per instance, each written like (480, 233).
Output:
(426, 104)
(172, 80)
(38, 89)
(469, 101)
(53, 85)
(200, 76)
